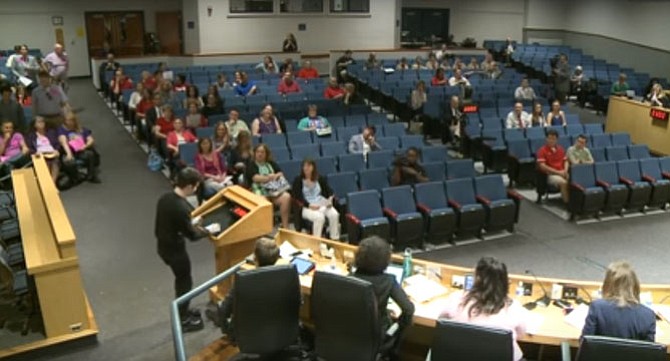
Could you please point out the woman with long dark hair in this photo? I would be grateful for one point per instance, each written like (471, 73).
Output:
(487, 303)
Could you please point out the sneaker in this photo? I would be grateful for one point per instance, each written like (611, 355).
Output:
(194, 312)
(213, 316)
(192, 324)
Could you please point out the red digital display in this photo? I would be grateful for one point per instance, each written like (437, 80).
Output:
(658, 114)
(470, 108)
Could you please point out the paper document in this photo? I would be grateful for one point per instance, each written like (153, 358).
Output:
(431, 310)
(287, 250)
(534, 322)
(25, 81)
(577, 317)
(421, 289)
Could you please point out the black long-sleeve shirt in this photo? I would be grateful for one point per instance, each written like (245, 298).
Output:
(385, 286)
(173, 224)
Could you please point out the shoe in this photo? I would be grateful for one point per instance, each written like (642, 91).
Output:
(95, 179)
(194, 312)
(213, 316)
(192, 324)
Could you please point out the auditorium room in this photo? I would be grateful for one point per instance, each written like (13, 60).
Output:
(334, 180)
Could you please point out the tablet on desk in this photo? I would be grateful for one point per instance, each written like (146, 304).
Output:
(396, 271)
(302, 265)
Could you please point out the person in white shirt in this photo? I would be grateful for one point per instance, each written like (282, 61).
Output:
(458, 79)
(524, 91)
(442, 53)
(518, 118)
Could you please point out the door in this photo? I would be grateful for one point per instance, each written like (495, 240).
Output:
(120, 32)
(169, 32)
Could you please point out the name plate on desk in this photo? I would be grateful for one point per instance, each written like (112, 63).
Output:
(659, 114)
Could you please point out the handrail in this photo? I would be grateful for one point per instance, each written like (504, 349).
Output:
(180, 353)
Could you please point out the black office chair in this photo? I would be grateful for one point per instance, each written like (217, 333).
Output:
(266, 311)
(599, 348)
(346, 320)
(457, 341)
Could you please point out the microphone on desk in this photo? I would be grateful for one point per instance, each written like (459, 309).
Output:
(543, 301)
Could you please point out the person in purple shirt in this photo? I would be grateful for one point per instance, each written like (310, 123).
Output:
(44, 141)
(58, 64)
(78, 145)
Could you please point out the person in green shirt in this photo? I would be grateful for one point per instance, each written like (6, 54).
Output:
(314, 122)
(620, 87)
(579, 153)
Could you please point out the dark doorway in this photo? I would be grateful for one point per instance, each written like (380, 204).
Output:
(120, 32)
(168, 29)
(422, 26)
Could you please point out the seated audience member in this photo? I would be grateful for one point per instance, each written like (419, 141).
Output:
(619, 312)
(454, 120)
(13, 148)
(164, 124)
(371, 62)
(135, 97)
(23, 97)
(77, 144)
(266, 253)
(407, 170)
(266, 123)
(537, 118)
(246, 87)
(473, 64)
(402, 64)
(333, 90)
(551, 160)
(178, 136)
(432, 63)
(418, 64)
(211, 90)
(621, 86)
(365, 142)
(439, 79)
(287, 66)
(166, 91)
(351, 96)
(458, 64)
(290, 44)
(266, 178)
(487, 64)
(240, 156)
(488, 304)
(212, 166)
(119, 83)
(524, 91)
(194, 119)
(180, 83)
(442, 53)
(418, 98)
(222, 82)
(108, 65)
(316, 196)
(518, 118)
(287, 85)
(44, 141)
(308, 71)
(556, 116)
(221, 138)
(267, 66)
(151, 117)
(495, 71)
(372, 258)
(458, 79)
(341, 65)
(237, 78)
(579, 153)
(148, 80)
(192, 96)
(10, 109)
(657, 96)
(213, 106)
(235, 125)
(313, 122)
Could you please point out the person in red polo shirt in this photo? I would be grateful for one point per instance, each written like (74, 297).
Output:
(552, 161)
(288, 85)
(333, 90)
(308, 71)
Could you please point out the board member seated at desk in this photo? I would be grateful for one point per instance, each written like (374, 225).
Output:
(619, 313)
(657, 97)
(488, 303)
(372, 259)
(621, 86)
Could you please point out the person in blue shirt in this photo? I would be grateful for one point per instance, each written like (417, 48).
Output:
(619, 312)
(314, 122)
(245, 87)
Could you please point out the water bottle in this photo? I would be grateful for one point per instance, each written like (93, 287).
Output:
(407, 263)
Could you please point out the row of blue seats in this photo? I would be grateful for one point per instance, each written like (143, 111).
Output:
(594, 131)
(433, 211)
(342, 134)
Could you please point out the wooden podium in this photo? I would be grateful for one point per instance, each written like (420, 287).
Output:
(244, 216)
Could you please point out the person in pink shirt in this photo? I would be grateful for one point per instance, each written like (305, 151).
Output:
(180, 135)
(487, 303)
(13, 144)
(288, 85)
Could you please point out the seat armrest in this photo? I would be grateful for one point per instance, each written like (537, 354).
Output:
(388, 212)
(454, 204)
(514, 195)
(648, 178)
(423, 208)
(483, 200)
(577, 186)
(666, 175)
(626, 181)
(298, 203)
(353, 218)
(603, 184)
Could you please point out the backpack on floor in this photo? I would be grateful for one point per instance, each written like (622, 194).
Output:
(155, 161)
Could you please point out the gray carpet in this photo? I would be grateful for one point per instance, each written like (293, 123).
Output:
(130, 289)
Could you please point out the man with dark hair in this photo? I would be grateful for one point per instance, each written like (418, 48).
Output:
(341, 66)
(266, 253)
(365, 142)
(551, 160)
(407, 170)
(50, 101)
(10, 109)
(110, 65)
(173, 225)
(579, 153)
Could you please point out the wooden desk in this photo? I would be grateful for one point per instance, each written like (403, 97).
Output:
(51, 259)
(625, 115)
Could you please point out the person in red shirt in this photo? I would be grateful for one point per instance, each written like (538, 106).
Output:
(552, 161)
(120, 83)
(164, 124)
(333, 90)
(148, 81)
(439, 79)
(179, 135)
(307, 71)
(287, 85)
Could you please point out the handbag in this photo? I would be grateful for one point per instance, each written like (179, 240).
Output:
(155, 161)
(276, 187)
(77, 144)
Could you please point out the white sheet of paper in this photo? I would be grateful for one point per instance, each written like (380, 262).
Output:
(577, 317)
(25, 81)
(287, 250)
(421, 289)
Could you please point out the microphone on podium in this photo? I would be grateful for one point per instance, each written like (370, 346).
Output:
(543, 301)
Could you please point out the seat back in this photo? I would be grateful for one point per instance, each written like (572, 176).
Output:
(365, 204)
(431, 194)
(380, 159)
(303, 151)
(464, 341)
(325, 165)
(274, 140)
(601, 140)
(204, 132)
(187, 153)
(621, 139)
(583, 175)
(535, 133)
(434, 153)
(638, 151)
(266, 309)
(490, 187)
(460, 191)
(598, 154)
(435, 171)
(412, 141)
(373, 179)
(342, 183)
(399, 199)
(629, 169)
(596, 348)
(299, 137)
(615, 154)
(664, 162)
(280, 154)
(333, 149)
(650, 167)
(574, 129)
(519, 148)
(346, 320)
(607, 172)
(389, 143)
(593, 128)
(351, 162)
(394, 130)
(460, 168)
(344, 134)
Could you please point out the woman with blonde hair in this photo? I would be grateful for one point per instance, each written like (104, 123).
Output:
(619, 312)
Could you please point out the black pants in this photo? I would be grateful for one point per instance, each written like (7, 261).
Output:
(91, 160)
(181, 268)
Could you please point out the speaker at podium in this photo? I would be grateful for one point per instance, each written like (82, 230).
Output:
(243, 216)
